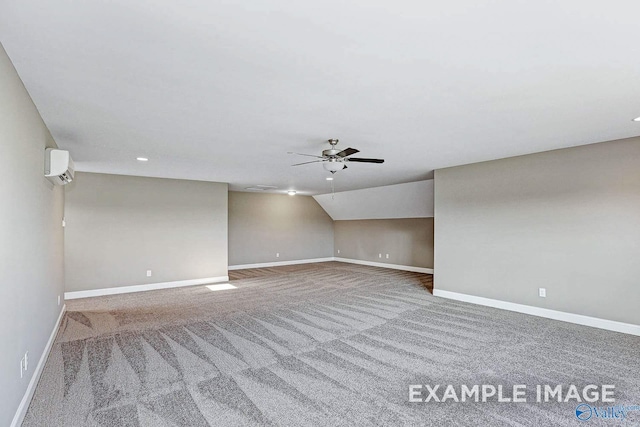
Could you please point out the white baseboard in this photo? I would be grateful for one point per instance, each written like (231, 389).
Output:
(383, 265)
(610, 325)
(348, 260)
(31, 388)
(141, 288)
(279, 263)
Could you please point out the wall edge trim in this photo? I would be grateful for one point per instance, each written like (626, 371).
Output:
(21, 412)
(143, 288)
(384, 265)
(347, 260)
(279, 263)
(578, 319)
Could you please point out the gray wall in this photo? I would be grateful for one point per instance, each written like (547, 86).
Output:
(567, 220)
(118, 227)
(31, 239)
(407, 241)
(261, 225)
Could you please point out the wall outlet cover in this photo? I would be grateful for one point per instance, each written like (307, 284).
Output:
(24, 364)
(542, 292)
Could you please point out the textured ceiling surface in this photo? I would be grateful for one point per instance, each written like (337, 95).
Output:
(221, 91)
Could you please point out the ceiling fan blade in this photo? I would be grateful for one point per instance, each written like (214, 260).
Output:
(356, 159)
(347, 152)
(308, 155)
(306, 163)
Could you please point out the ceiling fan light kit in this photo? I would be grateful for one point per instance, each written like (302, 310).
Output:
(334, 160)
(333, 165)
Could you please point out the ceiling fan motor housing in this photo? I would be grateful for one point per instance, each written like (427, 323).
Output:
(333, 151)
(330, 152)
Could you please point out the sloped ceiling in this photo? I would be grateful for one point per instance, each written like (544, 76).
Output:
(410, 200)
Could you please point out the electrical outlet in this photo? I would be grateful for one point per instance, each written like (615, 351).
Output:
(64, 223)
(277, 254)
(24, 364)
(379, 255)
(148, 273)
(338, 250)
(387, 256)
(542, 292)
(58, 299)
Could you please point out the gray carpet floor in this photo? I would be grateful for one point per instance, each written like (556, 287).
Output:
(328, 344)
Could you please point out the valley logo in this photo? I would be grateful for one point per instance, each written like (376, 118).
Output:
(585, 412)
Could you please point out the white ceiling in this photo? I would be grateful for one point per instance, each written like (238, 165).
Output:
(222, 90)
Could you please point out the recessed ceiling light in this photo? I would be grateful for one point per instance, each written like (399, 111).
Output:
(329, 178)
(637, 119)
(142, 159)
(291, 193)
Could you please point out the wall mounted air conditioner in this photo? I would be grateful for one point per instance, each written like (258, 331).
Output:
(58, 166)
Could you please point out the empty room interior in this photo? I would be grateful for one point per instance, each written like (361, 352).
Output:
(319, 213)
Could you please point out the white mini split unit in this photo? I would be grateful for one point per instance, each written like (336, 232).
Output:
(58, 166)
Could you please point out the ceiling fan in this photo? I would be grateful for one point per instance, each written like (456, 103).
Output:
(334, 160)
